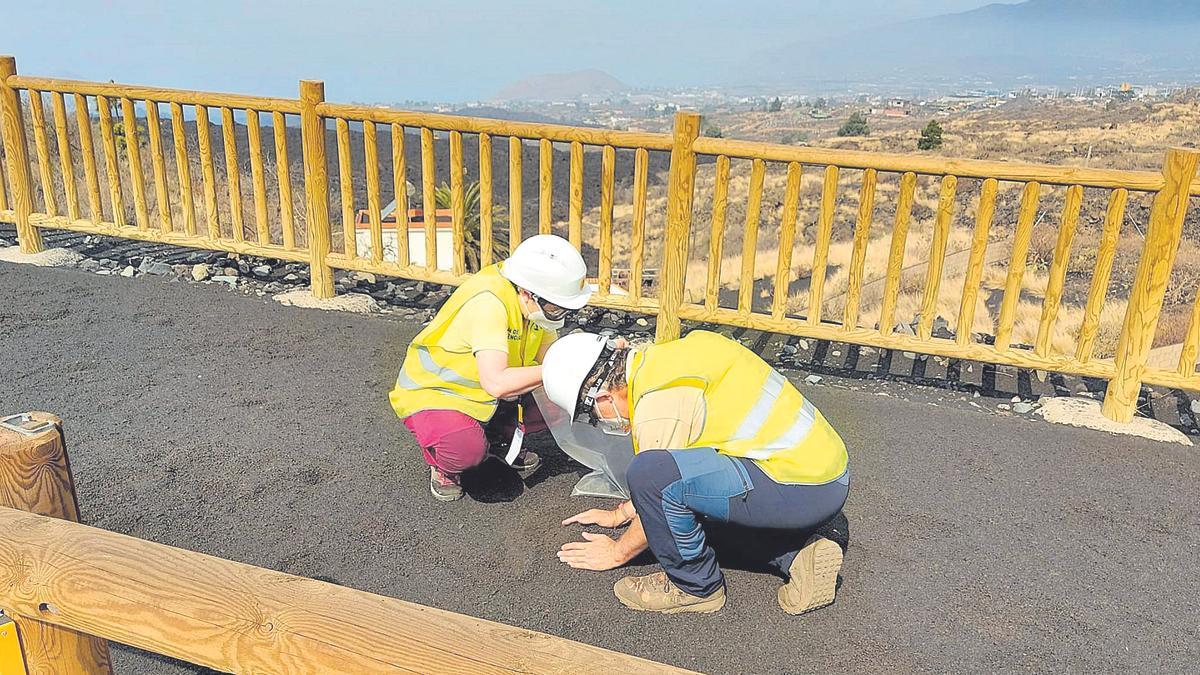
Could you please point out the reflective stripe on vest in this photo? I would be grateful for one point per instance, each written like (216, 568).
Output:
(445, 374)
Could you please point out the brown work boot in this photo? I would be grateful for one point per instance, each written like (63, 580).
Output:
(814, 575)
(656, 593)
(444, 488)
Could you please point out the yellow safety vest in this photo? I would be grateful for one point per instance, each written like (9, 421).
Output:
(750, 410)
(433, 378)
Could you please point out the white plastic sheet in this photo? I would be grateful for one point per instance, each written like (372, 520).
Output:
(608, 456)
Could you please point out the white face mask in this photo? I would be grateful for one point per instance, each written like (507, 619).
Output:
(539, 319)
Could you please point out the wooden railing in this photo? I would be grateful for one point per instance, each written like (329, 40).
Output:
(224, 220)
(70, 588)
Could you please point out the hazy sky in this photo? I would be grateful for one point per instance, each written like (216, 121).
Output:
(387, 50)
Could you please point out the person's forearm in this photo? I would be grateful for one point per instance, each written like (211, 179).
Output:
(515, 381)
(632, 542)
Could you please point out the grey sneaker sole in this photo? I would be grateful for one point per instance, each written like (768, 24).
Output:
(814, 575)
(440, 495)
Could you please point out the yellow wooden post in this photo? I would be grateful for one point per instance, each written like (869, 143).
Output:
(35, 476)
(42, 145)
(575, 222)
(457, 205)
(485, 200)
(400, 194)
(637, 232)
(16, 152)
(316, 187)
(515, 150)
(680, 183)
(283, 174)
(545, 186)
(1150, 283)
(716, 240)
(183, 167)
(608, 161)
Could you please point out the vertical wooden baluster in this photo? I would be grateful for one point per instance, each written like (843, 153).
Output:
(110, 161)
(485, 201)
(1150, 284)
(457, 206)
(133, 155)
(183, 167)
(258, 178)
(758, 171)
(637, 253)
(937, 256)
(429, 198)
(162, 197)
(1107, 252)
(283, 175)
(787, 240)
(41, 143)
(716, 241)
(3, 179)
(858, 255)
(208, 171)
(1058, 269)
(974, 273)
(87, 149)
(1016, 264)
(546, 186)
(608, 161)
(66, 163)
(816, 288)
(400, 193)
(346, 189)
(515, 150)
(575, 226)
(233, 174)
(895, 266)
(1191, 343)
(374, 206)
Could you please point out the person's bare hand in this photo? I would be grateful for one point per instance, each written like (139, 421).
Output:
(597, 552)
(601, 517)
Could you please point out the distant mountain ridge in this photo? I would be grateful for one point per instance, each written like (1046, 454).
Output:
(562, 87)
(1037, 42)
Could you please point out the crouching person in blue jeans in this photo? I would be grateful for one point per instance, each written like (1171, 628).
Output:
(729, 454)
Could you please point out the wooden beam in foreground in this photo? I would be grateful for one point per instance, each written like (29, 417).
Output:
(236, 617)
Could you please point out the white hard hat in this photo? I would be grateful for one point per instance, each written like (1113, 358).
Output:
(567, 364)
(549, 267)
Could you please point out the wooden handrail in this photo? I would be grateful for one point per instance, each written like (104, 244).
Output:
(476, 125)
(162, 95)
(1144, 181)
(239, 618)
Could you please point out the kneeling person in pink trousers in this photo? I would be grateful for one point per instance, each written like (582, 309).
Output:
(465, 376)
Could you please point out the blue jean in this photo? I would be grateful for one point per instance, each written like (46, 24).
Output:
(686, 497)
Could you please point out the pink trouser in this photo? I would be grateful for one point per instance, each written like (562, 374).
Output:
(454, 441)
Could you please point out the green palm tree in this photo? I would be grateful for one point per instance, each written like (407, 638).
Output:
(472, 240)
